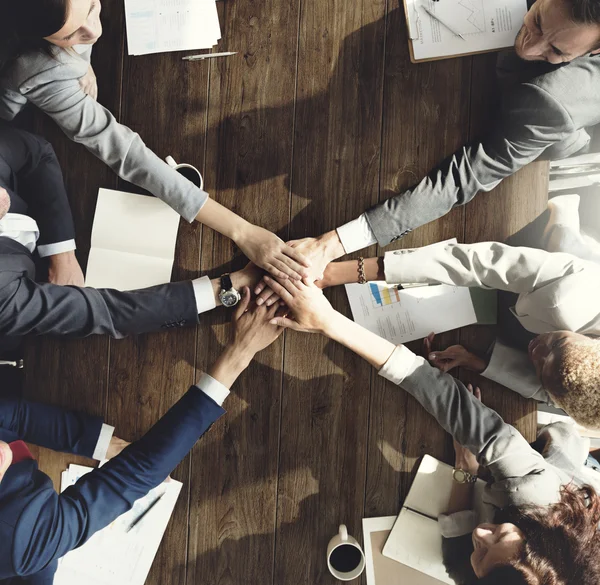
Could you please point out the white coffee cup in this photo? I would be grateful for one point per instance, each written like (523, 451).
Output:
(192, 171)
(342, 539)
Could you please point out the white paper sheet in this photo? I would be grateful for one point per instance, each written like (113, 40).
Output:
(133, 241)
(406, 315)
(115, 555)
(485, 24)
(157, 26)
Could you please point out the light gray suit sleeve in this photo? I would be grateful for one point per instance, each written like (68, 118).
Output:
(532, 120)
(497, 445)
(556, 291)
(31, 308)
(54, 87)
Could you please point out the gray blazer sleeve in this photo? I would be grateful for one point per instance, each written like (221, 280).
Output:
(28, 307)
(532, 120)
(497, 445)
(52, 84)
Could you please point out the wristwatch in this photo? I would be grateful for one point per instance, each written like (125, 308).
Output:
(462, 476)
(228, 295)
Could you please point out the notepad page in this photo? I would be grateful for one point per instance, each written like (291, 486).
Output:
(124, 271)
(431, 489)
(416, 541)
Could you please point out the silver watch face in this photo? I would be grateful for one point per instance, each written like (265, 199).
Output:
(230, 298)
(460, 476)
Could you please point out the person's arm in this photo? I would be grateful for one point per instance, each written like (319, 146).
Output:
(56, 91)
(53, 427)
(498, 446)
(35, 308)
(63, 522)
(486, 264)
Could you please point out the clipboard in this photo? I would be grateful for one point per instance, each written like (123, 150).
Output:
(412, 16)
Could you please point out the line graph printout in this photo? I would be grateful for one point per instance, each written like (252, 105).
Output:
(406, 315)
(485, 24)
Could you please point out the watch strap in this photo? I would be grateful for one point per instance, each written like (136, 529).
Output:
(226, 283)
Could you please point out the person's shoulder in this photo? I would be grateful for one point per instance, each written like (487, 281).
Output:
(43, 66)
(575, 86)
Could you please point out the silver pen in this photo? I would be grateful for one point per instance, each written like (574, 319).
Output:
(208, 56)
(442, 22)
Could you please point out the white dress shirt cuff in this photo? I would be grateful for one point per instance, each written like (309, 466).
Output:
(213, 389)
(356, 234)
(205, 297)
(457, 524)
(401, 364)
(106, 433)
(57, 248)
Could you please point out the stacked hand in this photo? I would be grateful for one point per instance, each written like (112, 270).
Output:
(319, 252)
(272, 254)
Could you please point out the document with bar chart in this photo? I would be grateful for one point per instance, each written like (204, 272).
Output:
(401, 316)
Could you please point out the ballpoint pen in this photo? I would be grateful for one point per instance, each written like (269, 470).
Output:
(145, 512)
(208, 56)
(442, 22)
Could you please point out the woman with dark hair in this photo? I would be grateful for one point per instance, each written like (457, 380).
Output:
(45, 51)
(546, 491)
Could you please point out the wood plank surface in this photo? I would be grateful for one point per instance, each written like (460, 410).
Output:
(248, 155)
(335, 178)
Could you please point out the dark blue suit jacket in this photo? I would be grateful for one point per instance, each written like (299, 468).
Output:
(37, 525)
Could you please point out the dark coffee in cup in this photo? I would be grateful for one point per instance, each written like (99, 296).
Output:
(345, 558)
(190, 174)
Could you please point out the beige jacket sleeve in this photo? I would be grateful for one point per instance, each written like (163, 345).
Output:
(556, 291)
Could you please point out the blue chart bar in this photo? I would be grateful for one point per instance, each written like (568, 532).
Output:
(375, 293)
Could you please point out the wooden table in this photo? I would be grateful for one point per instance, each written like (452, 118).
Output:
(318, 117)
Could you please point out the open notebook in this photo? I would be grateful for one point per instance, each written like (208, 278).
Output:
(415, 540)
(133, 241)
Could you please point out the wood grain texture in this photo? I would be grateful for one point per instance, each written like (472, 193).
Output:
(336, 167)
(248, 155)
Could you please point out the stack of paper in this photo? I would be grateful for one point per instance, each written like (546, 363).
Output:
(122, 552)
(133, 241)
(160, 26)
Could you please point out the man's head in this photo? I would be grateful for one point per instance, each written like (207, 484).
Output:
(568, 365)
(558, 31)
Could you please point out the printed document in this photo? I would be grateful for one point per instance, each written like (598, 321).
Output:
(119, 554)
(401, 316)
(485, 25)
(158, 26)
(133, 241)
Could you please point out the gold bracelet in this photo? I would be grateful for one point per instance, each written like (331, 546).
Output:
(362, 278)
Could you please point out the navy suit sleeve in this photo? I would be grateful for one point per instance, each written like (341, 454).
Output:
(54, 524)
(49, 426)
(39, 182)
(28, 307)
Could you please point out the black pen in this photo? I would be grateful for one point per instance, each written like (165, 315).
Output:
(143, 514)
